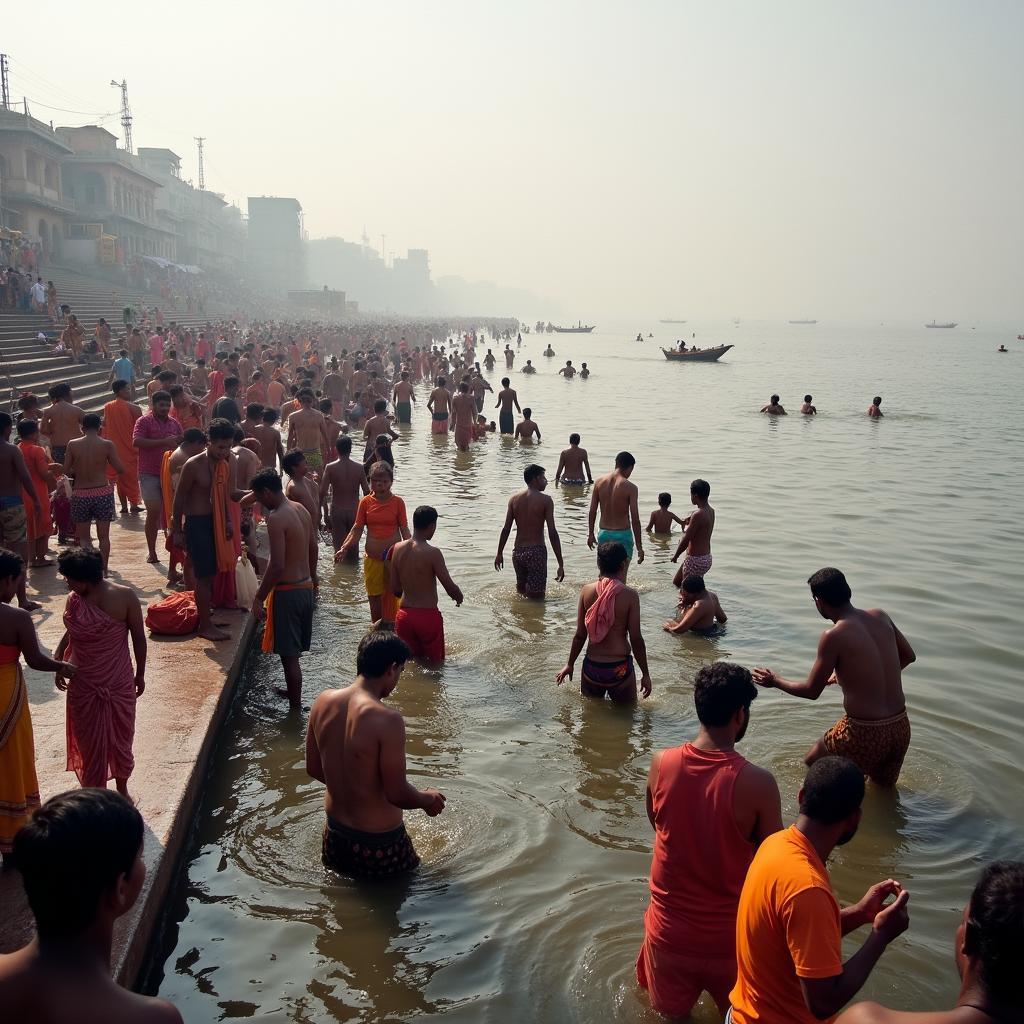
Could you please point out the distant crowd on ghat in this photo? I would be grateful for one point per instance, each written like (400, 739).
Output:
(741, 906)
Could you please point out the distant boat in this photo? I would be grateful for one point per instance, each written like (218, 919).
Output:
(803, 321)
(580, 328)
(934, 324)
(701, 355)
(671, 321)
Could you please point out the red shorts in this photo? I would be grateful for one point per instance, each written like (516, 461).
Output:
(675, 981)
(423, 630)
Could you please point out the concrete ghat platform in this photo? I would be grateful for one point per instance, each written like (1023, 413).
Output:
(189, 686)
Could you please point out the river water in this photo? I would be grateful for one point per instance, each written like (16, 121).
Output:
(530, 901)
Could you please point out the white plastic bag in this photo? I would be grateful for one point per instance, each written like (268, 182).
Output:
(246, 583)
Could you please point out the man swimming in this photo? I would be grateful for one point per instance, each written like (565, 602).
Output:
(873, 410)
(865, 654)
(700, 610)
(573, 464)
(608, 622)
(696, 538)
(617, 497)
(807, 408)
(773, 408)
(661, 518)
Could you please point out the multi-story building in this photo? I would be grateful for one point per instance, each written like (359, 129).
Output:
(274, 249)
(209, 230)
(32, 196)
(114, 196)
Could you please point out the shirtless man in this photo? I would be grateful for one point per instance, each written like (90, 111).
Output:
(608, 622)
(193, 441)
(92, 494)
(617, 497)
(355, 745)
(696, 538)
(247, 465)
(192, 523)
(439, 407)
(415, 568)
(347, 483)
(568, 371)
(531, 509)
(873, 411)
(286, 590)
(404, 397)
(252, 419)
(63, 975)
(808, 409)
(510, 357)
(507, 400)
(333, 387)
(304, 490)
(15, 480)
(378, 423)
(865, 654)
(773, 408)
(573, 464)
(526, 428)
(489, 360)
(463, 416)
(529, 367)
(700, 609)
(479, 387)
(584, 372)
(307, 430)
(61, 421)
(269, 437)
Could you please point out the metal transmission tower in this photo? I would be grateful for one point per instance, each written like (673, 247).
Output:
(126, 114)
(200, 139)
(5, 85)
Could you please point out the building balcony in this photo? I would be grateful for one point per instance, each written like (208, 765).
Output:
(25, 191)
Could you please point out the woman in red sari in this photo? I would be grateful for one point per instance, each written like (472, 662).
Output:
(98, 617)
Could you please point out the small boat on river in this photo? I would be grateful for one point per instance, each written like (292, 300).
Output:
(696, 355)
(952, 323)
(580, 328)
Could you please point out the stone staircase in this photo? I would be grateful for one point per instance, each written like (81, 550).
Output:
(28, 364)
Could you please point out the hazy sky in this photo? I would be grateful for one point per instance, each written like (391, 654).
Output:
(777, 158)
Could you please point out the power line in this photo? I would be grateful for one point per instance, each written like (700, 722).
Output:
(64, 110)
(23, 71)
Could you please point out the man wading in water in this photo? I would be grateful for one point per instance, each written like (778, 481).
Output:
(355, 745)
(617, 497)
(608, 621)
(531, 509)
(865, 654)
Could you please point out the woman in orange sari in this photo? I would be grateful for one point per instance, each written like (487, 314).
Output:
(19, 788)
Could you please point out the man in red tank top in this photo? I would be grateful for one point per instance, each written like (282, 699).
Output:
(710, 809)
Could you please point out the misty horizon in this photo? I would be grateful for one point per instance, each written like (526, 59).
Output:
(746, 160)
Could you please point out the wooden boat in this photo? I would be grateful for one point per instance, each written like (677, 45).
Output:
(578, 329)
(952, 323)
(701, 355)
(803, 321)
(672, 321)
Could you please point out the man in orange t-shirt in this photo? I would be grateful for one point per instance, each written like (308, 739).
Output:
(789, 927)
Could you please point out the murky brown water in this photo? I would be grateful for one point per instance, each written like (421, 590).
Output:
(529, 905)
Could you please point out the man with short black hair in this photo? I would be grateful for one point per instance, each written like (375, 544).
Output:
(415, 567)
(574, 465)
(154, 433)
(865, 654)
(346, 481)
(355, 745)
(700, 610)
(81, 864)
(617, 497)
(531, 509)
(15, 483)
(92, 462)
(789, 927)
(710, 809)
(608, 622)
(989, 950)
(696, 539)
(285, 595)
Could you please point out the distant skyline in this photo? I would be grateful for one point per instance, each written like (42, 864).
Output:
(664, 159)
